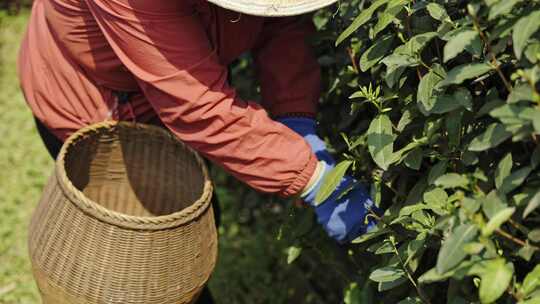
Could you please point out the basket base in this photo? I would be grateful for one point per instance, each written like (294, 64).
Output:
(52, 294)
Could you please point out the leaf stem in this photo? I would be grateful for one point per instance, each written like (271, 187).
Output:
(510, 237)
(420, 292)
(494, 60)
(518, 226)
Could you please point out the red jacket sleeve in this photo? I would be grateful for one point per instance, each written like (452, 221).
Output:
(164, 45)
(288, 71)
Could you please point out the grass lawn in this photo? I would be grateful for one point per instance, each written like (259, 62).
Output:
(24, 167)
(251, 267)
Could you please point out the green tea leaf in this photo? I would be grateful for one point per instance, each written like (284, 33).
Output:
(452, 180)
(381, 141)
(526, 252)
(523, 30)
(532, 205)
(451, 252)
(521, 92)
(453, 128)
(437, 171)
(503, 170)
(413, 159)
(293, 253)
(426, 87)
(375, 53)
(447, 103)
(471, 205)
(473, 248)
(515, 180)
(436, 197)
(393, 75)
(493, 203)
(495, 277)
(331, 181)
(353, 294)
(409, 300)
(399, 60)
(468, 39)
(433, 275)
(416, 44)
(371, 235)
(511, 114)
(463, 72)
(389, 15)
(383, 286)
(534, 235)
(438, 12)
(535, 300)
(405, 120)
(364, 16)
(531, 281)
(387, 274)
(532, 53)
(502, 7)
(497, 220)
(494, 135)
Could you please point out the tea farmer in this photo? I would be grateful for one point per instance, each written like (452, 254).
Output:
(165, 62)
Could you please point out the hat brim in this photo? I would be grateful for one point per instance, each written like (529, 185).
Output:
(273, 8)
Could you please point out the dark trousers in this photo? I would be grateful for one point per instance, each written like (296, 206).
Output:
(53, 145)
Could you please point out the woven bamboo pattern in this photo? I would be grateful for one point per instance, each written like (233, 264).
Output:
(124, 218)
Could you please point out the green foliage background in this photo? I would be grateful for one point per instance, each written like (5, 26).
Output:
(438, 109)
(434, 104)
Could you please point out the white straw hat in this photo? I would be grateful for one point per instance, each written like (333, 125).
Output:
(273, 8)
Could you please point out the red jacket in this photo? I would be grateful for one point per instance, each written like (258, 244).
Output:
(173, 54)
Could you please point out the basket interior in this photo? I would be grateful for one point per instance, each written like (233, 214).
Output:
(132, 172)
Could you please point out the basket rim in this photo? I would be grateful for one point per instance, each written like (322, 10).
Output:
(79, 199)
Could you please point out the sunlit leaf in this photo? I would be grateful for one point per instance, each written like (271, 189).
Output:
(495, 277)
(494, 135)
(375, 53)
(497, 220)
(293, 253)
(381, 141)
(451, 252)
(386, 274)
(463, 40)
(533, 204)
(364, 16)
(452, 180)
(463, 72)
(503, 170)
(331, 181)
(531, 281)
(523, 30)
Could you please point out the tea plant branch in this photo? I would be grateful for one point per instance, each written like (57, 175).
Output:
(510, 237)
(494, 61)
(419, 290)
(518, 226)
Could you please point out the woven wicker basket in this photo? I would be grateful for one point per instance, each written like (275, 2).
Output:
(125, 218)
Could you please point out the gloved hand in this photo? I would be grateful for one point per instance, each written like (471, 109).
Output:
(342, 216)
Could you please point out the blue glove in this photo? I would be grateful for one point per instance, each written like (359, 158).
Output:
(306, 127)
(342, 216)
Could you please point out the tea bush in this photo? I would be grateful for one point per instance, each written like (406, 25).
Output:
(436, 105)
